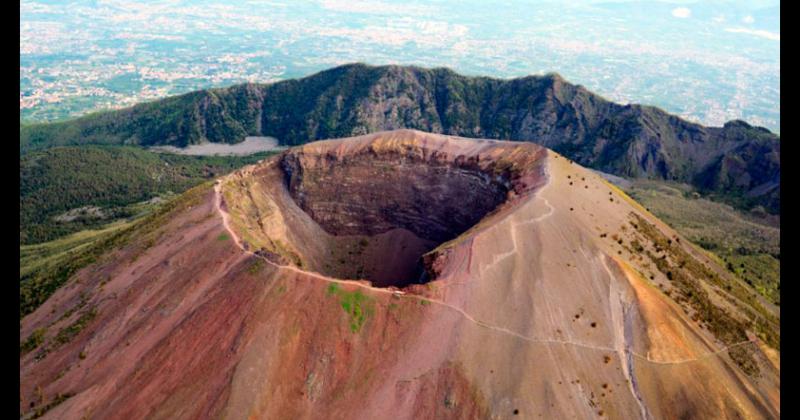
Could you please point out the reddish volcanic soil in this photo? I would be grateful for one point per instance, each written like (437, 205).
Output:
(395, 275)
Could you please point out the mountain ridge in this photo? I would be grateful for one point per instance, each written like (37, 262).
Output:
(737, 162)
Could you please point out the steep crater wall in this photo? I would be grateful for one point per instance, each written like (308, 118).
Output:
(385, 210)
(369, 195)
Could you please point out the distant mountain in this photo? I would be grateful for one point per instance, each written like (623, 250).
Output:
(737, 162)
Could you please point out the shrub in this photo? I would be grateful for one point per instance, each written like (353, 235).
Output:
(34, 340)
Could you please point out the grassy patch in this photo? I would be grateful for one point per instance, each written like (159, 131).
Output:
(59, 398)
(84, 300)
(33, 341)
(223, 237)
(352, 304)
(356, 305)
(750, 242)
(47, 255)
(685, 273)
(67, 334)
(333, 288)
(760, 271)
(256, 266)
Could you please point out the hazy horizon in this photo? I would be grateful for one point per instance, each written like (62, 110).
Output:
(709, 62)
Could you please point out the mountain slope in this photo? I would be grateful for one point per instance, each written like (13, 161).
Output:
(553, 296)
(66, 189)
(748, 245)
(738, 162)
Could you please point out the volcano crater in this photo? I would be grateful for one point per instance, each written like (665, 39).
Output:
(372, 212)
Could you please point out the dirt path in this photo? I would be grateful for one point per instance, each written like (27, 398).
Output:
(226, 222)
(496, 259)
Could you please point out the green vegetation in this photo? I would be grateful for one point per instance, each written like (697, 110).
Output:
(116, 180)
(66, 335)
(749, 243)
(761, 271)
(333, 288)
(256, 266)
(69, 189)
(51, 255)
(84, 300)
(223, 237)
(355, 304)
(59, 398)
(37, 285)
(34, 341)
(686, 273)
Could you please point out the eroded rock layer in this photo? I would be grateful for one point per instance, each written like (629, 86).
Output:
(369, 194)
